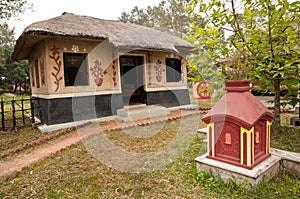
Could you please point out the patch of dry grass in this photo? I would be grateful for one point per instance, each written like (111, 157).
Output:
(25, 140)
(288, 139)
(12, 139)
(135, 139)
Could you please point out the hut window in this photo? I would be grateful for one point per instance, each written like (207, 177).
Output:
(76, 69)
(173, 70)
(37, 73)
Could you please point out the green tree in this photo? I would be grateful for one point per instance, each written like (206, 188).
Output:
(169, 15)
(265, 32)
(8, 8)
(6, 39)
(13, 72)
(6, 35)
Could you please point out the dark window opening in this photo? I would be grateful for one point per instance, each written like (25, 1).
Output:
(37, 73)
(76, 69)
(173, 70)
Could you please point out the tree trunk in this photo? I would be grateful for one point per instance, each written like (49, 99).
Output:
(16, 86)
(276, 122)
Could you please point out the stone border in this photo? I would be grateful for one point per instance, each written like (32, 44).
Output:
(289, 160)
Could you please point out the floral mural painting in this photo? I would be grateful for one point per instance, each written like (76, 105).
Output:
(114, 67)
(158, 70)
(98, 72)
(114, 73)
(55, 56)
(42, 66)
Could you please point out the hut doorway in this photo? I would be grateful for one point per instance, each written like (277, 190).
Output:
(132, 79)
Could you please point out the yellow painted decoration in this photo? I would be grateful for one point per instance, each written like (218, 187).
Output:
(242, 145)
(268, 137)
(252, 145)
(211, 125)
(249, 150)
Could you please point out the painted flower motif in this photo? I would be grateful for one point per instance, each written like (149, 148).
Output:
(54, 50)
(98, 72)
(158, 70)
(114, 73)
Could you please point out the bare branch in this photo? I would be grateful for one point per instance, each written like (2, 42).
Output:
(270, 31)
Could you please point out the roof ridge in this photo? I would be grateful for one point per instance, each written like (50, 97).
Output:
(119, 33)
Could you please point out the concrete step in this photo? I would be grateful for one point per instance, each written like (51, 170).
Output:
(124, 112)
(140, 112)
(134, 106)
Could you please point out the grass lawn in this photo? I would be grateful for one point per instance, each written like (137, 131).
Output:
(15, 96)
(75, 173)
(26, 139)
(12, 139)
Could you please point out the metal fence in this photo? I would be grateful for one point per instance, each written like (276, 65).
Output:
(18, 113)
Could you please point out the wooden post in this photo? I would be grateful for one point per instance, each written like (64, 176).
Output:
(13, 113)
(2, 114)
(32, 110)
(23, 116)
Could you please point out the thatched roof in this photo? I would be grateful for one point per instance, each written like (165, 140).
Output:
(119, 34)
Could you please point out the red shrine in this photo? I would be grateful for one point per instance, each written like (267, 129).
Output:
(238, 127)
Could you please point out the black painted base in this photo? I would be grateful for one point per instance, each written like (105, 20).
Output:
(169, 98)
(70, 109)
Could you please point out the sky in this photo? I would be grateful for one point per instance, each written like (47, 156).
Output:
(104, 9)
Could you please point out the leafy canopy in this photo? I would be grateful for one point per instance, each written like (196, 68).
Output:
(11, 72)
(262, 34)
(169, 15)
(8, 8)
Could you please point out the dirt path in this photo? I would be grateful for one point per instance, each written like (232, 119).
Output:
(22, 161)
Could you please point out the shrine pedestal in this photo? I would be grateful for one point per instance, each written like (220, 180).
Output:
(266, 169)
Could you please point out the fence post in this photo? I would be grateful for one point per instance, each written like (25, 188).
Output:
(23, 116)
(13, 113)
(2, 114)
(32, 110)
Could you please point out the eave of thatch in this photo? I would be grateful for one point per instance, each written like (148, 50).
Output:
(119, 34)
